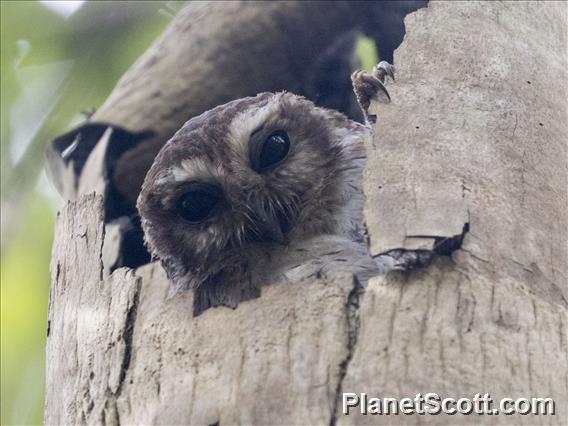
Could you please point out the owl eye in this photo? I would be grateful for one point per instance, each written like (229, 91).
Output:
(274, 149)
(198, 203)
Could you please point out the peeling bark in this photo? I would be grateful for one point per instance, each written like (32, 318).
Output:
(471, 151)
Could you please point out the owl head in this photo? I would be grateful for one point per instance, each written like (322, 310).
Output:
(261, 170)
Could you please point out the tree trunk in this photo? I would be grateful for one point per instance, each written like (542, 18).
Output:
(468, 160)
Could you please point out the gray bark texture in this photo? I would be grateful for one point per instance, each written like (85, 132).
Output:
(471, 156)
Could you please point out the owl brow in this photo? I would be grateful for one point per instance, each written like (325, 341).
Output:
(258, 129)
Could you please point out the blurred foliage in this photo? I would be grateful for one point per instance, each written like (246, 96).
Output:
(52, 68)
(366, 51)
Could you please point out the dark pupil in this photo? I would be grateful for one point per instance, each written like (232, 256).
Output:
(196, 205)
(274, 149)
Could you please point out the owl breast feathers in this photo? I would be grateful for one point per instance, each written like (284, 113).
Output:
(255, 191)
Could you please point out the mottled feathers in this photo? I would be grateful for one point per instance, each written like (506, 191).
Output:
(267, 223)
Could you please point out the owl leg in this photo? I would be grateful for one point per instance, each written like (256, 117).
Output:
(369, 87)
(382, 70)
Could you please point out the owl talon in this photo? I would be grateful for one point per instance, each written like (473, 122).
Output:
(383, 69)
(369, 87)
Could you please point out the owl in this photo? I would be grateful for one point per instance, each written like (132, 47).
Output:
(260, 190)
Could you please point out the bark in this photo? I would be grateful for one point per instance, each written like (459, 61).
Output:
(469, 160)
(123, 350)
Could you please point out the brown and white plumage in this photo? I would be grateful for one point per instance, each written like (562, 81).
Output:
(315, 191)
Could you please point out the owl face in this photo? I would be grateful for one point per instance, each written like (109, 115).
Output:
(255, 171)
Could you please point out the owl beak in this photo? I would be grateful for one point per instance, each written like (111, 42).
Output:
(270, 230)
(269, 225)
